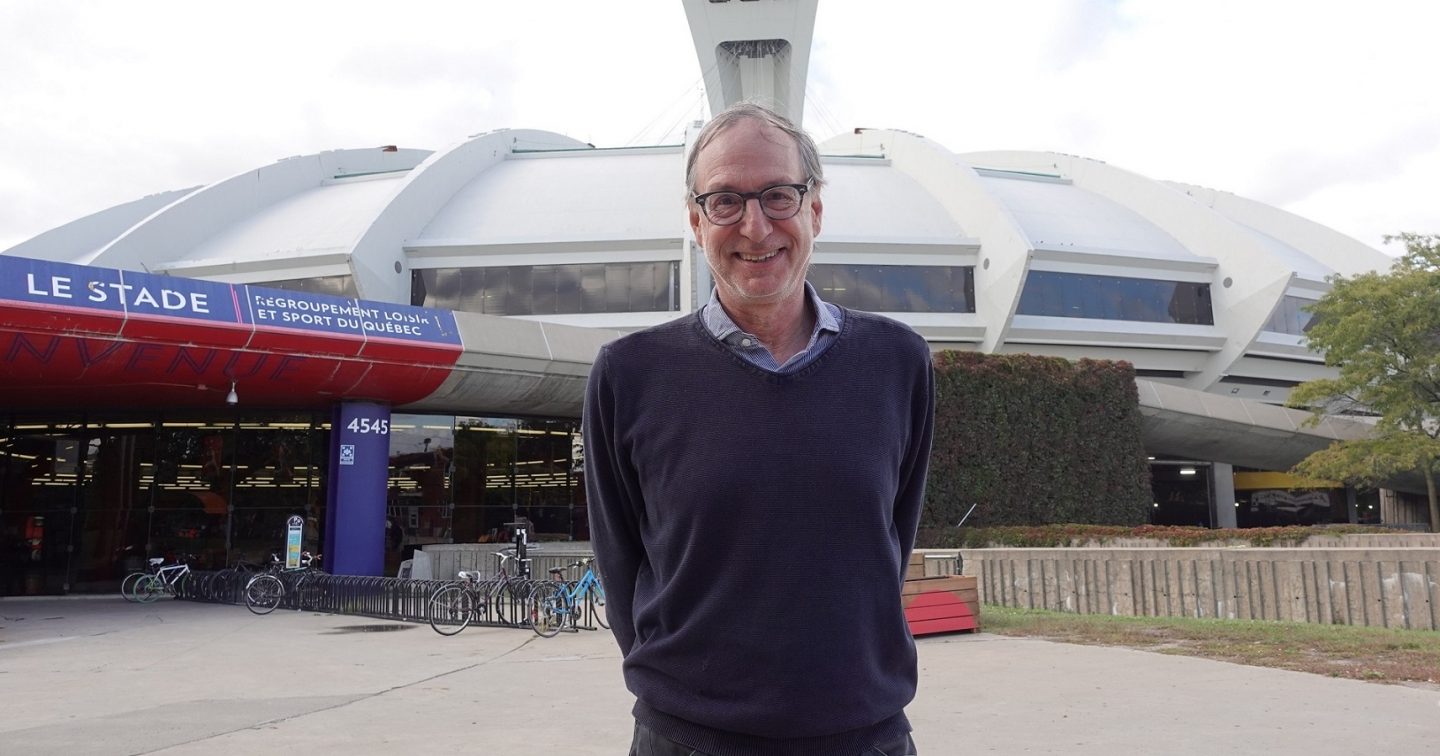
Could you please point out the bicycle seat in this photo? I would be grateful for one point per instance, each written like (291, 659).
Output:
(470, 575)
(558, 572)
(156, 561)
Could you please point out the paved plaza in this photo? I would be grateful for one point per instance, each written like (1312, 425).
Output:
(101, 676)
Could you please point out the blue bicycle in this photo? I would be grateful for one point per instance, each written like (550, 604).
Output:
(557, 603)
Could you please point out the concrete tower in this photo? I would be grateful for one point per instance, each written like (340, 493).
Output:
(756, 50)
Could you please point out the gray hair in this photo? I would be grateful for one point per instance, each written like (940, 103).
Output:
(743, 111)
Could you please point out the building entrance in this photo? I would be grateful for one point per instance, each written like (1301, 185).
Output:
(83, 501)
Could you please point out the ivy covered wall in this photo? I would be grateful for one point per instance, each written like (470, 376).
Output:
(1034, 441)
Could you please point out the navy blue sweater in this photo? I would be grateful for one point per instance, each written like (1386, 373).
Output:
(753, 531)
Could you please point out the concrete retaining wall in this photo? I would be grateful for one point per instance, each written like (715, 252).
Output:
(1390, 587)
(1352, 541)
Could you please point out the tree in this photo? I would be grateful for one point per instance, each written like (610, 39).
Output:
(1382, 331)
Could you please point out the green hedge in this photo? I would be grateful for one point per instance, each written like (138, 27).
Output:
(1034, 441)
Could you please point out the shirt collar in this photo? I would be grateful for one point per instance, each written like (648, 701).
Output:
(722, 326)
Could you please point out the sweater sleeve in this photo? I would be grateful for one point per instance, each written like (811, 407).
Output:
(614, 502)
(910, 498)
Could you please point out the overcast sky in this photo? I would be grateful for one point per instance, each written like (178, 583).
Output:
(1328, 109)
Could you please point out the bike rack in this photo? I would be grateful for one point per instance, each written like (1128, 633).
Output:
(402, 599)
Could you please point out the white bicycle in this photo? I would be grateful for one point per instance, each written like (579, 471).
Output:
(163, 579)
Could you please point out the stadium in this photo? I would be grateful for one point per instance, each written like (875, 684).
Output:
(393, 342)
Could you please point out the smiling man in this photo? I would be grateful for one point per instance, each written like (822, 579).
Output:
(755, 474)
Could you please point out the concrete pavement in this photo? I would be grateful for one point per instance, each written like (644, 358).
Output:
(102, 676)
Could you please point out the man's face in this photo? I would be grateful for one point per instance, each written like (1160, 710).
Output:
(756, 260)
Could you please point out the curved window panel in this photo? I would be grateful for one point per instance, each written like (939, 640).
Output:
(1291, 317)
(551, 289)
(896, 288)
(1077, 295)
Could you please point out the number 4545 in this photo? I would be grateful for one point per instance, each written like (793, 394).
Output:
(367, 425)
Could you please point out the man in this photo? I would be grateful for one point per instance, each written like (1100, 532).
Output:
(755, 473)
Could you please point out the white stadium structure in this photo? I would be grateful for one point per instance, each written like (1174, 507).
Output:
(1001, 252)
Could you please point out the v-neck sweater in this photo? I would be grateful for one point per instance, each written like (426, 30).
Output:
(753, 528)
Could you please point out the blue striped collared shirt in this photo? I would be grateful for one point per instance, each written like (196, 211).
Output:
(722, 327)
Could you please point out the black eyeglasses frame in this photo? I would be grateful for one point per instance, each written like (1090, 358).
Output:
(745, 198)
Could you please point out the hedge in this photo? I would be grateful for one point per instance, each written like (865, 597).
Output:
(1036, 440)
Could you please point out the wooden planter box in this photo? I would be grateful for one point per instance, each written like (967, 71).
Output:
(939, 604)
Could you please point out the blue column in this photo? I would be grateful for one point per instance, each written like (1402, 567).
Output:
(355, 504)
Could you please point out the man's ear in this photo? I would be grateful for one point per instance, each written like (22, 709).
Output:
(694, 211)
(816, 209)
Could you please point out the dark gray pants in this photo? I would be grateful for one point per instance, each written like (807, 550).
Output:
(648, 743)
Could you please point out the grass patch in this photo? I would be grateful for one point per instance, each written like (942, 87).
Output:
(1360, 653)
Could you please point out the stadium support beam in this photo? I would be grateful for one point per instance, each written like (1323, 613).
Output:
(753, 51)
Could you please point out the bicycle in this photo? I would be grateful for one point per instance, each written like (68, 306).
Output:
(127, 585)
(173, 579)
(264, 592)
(556, 603)
(473, 599)
(227, 584)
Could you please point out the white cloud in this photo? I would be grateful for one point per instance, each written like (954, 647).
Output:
(1324, 108)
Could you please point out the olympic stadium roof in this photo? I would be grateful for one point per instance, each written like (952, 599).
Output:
(374, 222)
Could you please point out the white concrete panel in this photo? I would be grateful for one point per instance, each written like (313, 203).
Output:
(888, 253)
(878, 202)
(176, 231)
(621, 321)
(1304, 265)
(1090, 261)
(1055, 214)
(1280, 369)
(321, 220)
(556, 253)
(567, 196)
(520, 366)
(1326, 246)
(1044, 328)
(79, 240)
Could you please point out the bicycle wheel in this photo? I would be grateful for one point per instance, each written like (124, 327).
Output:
(548, 609)
(507, 602)
(127, 586)
(149, 588)
(450, 609)
(219, 583)
(184, 586)
(263, 594)
(222, 586)
(595, 598)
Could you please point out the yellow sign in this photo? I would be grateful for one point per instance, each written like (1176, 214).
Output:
(1260, 481)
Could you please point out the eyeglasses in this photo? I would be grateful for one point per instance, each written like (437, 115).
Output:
(778, 202)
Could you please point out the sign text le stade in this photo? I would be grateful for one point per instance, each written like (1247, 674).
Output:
(129, 295)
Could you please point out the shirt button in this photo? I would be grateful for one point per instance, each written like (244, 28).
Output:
(747, 342)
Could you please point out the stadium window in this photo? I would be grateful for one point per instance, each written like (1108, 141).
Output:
(551, 289)
(1079, 295)
(896, 288)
